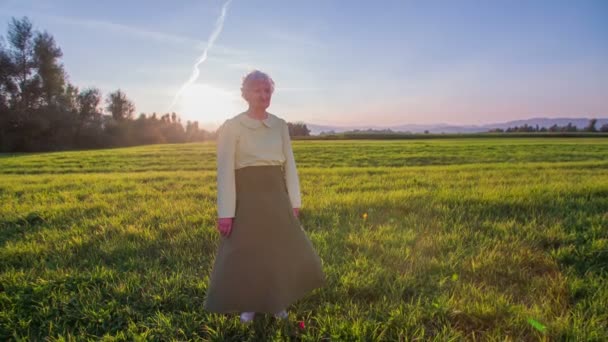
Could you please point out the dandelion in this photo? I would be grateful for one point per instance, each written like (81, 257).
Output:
(365, 216)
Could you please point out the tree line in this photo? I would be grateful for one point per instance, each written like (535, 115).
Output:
(369, 131)
(40, 110)
(591, 127)
(298, 129)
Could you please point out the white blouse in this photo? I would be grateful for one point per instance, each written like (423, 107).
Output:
(244, 141)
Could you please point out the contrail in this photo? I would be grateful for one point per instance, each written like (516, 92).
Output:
(219, 24)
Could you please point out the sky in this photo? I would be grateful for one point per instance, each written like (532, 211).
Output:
(334, 62)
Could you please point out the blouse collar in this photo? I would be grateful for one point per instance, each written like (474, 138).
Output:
(249, 122)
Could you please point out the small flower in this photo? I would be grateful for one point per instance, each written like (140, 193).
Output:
(365, 216)
(301, 325)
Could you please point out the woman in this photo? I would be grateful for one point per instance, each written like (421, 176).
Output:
(264, 261)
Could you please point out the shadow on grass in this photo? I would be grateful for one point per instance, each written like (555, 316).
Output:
(16, 229)
(118, 277)
(571, 225)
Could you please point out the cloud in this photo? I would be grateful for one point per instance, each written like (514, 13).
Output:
(146, 34)
(219, 25)
(107, 26)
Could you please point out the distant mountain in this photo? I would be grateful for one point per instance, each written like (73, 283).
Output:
(445, 128)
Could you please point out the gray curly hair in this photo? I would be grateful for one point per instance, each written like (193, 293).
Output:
(256, 75)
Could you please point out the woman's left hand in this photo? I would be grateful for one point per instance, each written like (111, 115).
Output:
(296, 212)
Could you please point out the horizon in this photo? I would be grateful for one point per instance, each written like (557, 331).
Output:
(420, 63)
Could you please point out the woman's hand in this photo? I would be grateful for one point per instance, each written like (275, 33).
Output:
(224, 225)
(296, 212)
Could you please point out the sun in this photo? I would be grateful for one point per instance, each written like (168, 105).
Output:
(207, 104)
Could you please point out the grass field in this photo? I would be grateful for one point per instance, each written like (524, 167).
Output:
(481, 239)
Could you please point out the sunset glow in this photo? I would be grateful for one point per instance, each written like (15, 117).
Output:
(208, 105)
(337, 63)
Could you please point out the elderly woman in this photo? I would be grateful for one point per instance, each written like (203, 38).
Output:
(264, 261)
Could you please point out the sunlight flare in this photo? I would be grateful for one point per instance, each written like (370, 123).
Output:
(196, 72)
(208, 104)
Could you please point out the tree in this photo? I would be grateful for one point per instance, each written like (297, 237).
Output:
(604, 128)
(6, 89)
(120, 106)
(50, 72)
(298, 129)
(7, 70)
(591, 126)
(88, 104)
(20, 37)
(68, 101)
(569, 128)
(330, 132)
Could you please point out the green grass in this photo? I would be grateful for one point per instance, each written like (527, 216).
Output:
(481, 239)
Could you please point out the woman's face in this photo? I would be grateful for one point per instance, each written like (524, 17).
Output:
(258, 94)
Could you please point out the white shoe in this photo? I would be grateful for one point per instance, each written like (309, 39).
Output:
(282, 314)
(247, 317)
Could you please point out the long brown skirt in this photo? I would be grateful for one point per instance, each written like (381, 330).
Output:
(267, 262)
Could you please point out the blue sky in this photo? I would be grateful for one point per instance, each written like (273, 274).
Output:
(341, 62)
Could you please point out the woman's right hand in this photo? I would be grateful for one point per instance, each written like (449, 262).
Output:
(224, 225)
